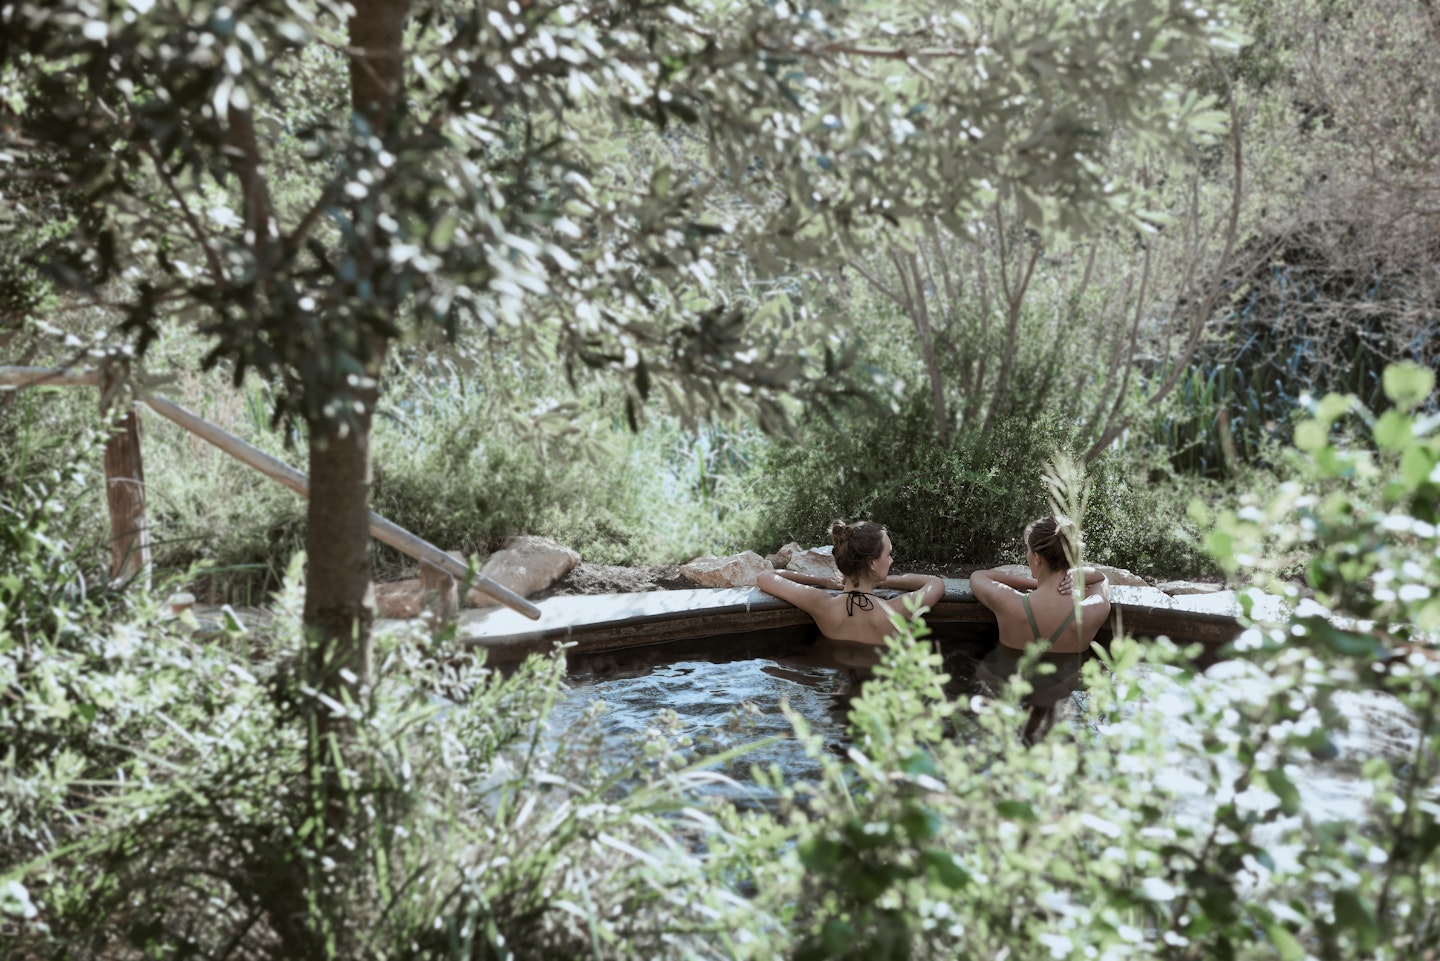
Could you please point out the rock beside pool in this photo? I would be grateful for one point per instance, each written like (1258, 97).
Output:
(737, 570)
(817, 562)
(399, 600)
(780, 558)
(1122, 577)
(525, 564)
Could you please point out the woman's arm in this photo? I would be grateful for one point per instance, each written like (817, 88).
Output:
(832, 583)
(929, 588)
(788, 589)
(1096, 583)
(992, 587)
(1019, 582)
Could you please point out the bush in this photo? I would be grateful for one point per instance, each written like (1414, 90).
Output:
(161, 796)
(968, 503)
(458, 465)
(1170, 816)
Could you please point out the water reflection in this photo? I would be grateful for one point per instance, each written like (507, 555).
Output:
(1053, 678)
(721, 706)
(726, 703)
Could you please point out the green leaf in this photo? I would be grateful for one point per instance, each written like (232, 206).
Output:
(919, 822)
(1311, 435)
(1416, 463)
(1332, 407)
(1344, 642)
(1016, 811)
(1359, 917)
(1392, 431)
(838, 937)
(1284, 789)
(1407, 384)
(819, 855)
(443, 233)
(1286, 946)
(941, 866)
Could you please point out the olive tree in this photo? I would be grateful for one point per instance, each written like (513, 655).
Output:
(460, 180)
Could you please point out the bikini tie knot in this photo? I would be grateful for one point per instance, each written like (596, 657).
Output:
(857, 600)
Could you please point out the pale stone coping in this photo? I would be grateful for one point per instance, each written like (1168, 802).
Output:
(573, 610)
(562, 614)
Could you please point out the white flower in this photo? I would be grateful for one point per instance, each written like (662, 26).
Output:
(1157, 889)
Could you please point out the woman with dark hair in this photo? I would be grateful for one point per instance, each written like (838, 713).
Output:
(857, 613)
(1041, 609)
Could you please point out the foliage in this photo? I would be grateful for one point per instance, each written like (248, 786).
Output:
(484, 199)
(1170, 813)
(149, 804)
(46, 581)
(471, 450)
(966, 503)
(1335, 277)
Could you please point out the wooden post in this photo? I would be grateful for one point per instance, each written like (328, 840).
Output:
(439, 594)
(124, 482)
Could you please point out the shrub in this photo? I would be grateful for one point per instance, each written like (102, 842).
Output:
(158, 798)
(1169, 817)
(967, 503)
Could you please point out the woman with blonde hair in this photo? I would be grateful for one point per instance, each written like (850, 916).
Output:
(1041, 609)
(863, 554)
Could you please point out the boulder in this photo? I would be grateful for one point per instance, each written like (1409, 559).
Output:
(817, 562)
(1120, 576)
(780, 558)
(525, 564)
(398, 600)
(737, 570)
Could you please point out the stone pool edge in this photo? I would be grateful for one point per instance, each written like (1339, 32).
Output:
(604, 622)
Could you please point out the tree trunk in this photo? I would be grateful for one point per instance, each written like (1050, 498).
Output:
(339, 597)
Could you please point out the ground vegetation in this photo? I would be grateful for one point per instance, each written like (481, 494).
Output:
(665, 280)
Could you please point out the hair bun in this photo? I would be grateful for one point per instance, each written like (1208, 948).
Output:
(839, 531)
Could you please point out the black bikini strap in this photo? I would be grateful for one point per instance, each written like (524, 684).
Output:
(857, 599)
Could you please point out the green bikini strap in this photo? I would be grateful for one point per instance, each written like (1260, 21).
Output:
(1063, 626)
(1034, 628)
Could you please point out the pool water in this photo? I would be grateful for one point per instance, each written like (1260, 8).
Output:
(725, 703)
(721, 706)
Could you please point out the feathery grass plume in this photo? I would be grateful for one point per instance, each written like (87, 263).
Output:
(1068, 491)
